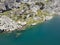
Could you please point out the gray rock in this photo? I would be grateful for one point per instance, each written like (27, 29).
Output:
(18, 0)
(9, 3)
(2, 7)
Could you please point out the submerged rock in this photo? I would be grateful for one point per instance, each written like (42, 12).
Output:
(1, 31)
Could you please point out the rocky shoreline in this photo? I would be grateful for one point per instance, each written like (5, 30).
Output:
(17, 14)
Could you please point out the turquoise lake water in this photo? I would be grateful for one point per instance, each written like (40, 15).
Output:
(47, 33)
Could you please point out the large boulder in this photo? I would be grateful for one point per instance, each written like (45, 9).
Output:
(2, 7)
(18, 0)
(9, 3)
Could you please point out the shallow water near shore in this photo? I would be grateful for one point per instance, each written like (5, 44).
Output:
(47, 33)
